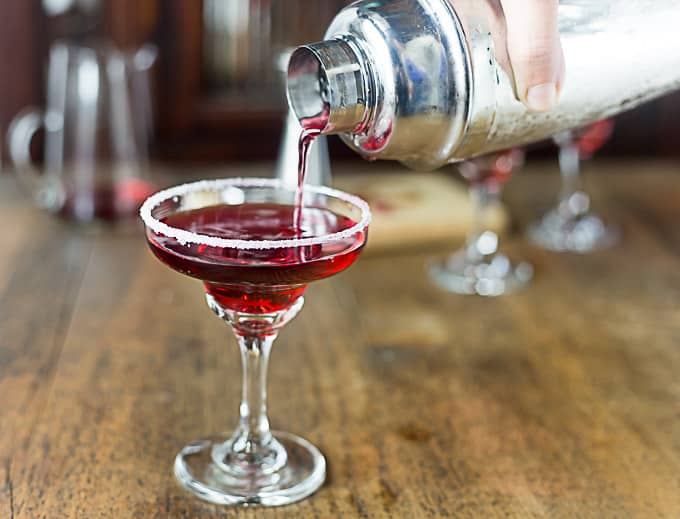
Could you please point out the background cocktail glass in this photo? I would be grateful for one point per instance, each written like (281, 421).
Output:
(479, 267)
(239, 237)
(571, 226)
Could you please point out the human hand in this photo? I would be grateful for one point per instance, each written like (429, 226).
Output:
(535, 51)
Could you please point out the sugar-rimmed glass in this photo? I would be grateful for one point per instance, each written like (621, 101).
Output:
(213, 230)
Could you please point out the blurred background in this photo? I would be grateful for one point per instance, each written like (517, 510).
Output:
(217, 88)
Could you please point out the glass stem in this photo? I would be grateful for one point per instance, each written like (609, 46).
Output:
(253, 436)
(572, 201)
(252, 451)
(483, 196)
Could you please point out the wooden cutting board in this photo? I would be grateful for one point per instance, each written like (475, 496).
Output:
(412, 210)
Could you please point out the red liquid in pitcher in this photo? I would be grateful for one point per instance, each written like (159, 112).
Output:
(258, 281)
(107, 203)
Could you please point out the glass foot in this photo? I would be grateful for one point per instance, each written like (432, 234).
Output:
(490, 276)
(299, 472)
(585, 234)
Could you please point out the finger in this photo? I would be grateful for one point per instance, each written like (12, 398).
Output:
(563, 71)
(535, 51)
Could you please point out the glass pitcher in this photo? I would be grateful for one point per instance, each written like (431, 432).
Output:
(97, 126)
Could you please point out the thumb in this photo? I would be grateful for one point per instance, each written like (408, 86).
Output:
(535, 51)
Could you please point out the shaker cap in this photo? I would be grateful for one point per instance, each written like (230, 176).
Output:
(326, 87)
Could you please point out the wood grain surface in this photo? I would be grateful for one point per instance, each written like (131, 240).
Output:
(562, 401)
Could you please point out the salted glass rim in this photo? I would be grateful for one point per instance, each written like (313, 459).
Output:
(184, 237)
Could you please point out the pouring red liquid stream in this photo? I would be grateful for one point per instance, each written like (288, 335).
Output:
(307, 137)
(311, 129)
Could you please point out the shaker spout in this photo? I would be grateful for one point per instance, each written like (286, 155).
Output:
(327, 87)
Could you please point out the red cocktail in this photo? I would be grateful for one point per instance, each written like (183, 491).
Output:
(256, 251)
(259, 280)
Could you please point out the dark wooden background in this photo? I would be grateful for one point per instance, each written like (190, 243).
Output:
(191, 125)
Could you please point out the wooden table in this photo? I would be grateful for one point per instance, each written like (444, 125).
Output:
(560, 401)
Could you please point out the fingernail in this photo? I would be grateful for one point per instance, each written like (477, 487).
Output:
(543, 97)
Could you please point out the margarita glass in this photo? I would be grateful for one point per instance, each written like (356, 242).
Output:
(241, 237)
(571, 226)
(480, 268)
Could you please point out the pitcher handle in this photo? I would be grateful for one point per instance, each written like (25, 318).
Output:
(21, 131)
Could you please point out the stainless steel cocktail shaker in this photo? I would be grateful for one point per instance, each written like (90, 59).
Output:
(427, 82)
